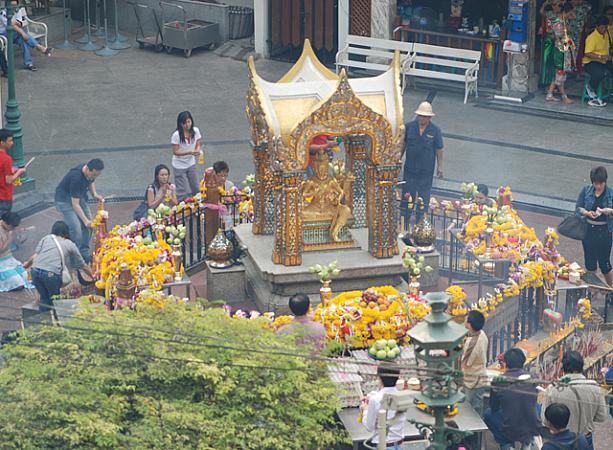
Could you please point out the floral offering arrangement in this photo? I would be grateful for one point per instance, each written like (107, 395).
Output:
(457, 305)
(149, 261)
(469, 190)
(584, 308)
(101, 217)
(359, 318)
(415, 264)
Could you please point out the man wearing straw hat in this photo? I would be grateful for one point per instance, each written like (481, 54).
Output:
(423, 148)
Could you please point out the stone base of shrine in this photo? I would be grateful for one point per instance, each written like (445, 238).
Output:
(270, 285)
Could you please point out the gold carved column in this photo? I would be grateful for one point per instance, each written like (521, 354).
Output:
(382, 211)
(357, 147)
(262, 182)
(288, 236)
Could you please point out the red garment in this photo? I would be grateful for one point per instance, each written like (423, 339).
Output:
(6, 169)
(320, 139)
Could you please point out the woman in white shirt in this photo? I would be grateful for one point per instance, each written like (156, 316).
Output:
(186, 145)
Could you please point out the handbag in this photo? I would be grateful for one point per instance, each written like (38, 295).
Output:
(141, 210)
(573, 227)
(66, 277)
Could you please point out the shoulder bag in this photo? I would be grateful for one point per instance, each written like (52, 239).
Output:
(141, 210)
(573, 227)
(66, 277)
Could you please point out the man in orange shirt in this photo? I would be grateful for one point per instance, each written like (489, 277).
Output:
(597, 59)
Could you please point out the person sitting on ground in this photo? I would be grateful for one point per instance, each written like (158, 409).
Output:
(482, 198)
(395, 433)
(158, 192)
(12, 273)
(597, 60)
(557, 416)
(308, 330)
(21, 36)
(583, 397)
(474, 360)
(512, 414)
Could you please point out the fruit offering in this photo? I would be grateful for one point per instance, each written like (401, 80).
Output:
(376, 300)
(385, 349)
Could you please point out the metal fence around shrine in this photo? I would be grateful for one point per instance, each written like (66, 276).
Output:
(194, 246)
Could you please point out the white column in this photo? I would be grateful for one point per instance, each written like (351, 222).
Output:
(260, 35)
(382, 16)
(343, 22)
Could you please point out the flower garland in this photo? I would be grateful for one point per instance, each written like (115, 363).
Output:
(457, 305)
(360, 318)
(150, 265)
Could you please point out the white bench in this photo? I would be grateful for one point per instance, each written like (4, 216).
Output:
(379, 51)
(38, 30)
(444, 63)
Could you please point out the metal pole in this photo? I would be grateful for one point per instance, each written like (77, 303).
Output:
(106, 51)
(90, 45)
(84, 39)
(66, 43)
(119, 42)
(98, 32)
(12, 113)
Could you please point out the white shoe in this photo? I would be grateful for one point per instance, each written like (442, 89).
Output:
(596, 102)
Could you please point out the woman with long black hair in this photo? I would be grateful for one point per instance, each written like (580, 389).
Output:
(186, 145)
(158, 192)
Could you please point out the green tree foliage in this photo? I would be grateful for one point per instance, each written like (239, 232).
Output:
(135, 380)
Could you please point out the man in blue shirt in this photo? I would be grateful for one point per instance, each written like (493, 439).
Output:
(423, 148)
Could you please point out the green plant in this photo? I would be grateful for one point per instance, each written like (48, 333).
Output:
(145, 379)
(333, 349)
(325, 273)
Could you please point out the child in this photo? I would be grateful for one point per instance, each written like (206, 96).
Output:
(7, 176)
(556, 418)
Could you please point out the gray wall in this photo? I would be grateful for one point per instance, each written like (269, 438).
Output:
(209, 12)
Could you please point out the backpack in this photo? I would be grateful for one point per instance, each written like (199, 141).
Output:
(573, 446)
(141, 210)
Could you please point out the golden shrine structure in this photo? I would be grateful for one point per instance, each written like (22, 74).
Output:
(317, 211)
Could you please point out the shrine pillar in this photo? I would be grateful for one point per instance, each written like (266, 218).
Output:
(357, 147)
(262, 174)
(382, 211)
(288, 205)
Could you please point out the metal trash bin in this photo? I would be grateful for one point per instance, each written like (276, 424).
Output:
(187, 34)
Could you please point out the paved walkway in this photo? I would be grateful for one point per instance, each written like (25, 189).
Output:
(123, 109)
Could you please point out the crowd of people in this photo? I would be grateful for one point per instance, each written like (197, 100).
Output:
(574, 41)
(67, 248)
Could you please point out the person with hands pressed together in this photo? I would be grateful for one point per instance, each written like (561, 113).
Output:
(597, 59)
(71, 201)
(186, 145)
(7, 174)
(595, 206)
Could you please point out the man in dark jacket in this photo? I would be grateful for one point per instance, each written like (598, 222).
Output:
(556, 419)
(512, 414)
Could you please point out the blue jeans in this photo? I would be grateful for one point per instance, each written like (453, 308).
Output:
(79, 233)
(47, 284)
(25, 46)
(590, 442)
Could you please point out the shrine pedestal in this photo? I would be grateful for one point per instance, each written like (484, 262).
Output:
(270, 285)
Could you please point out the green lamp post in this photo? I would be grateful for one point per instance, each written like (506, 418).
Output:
(12, 113)
(438, 344)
